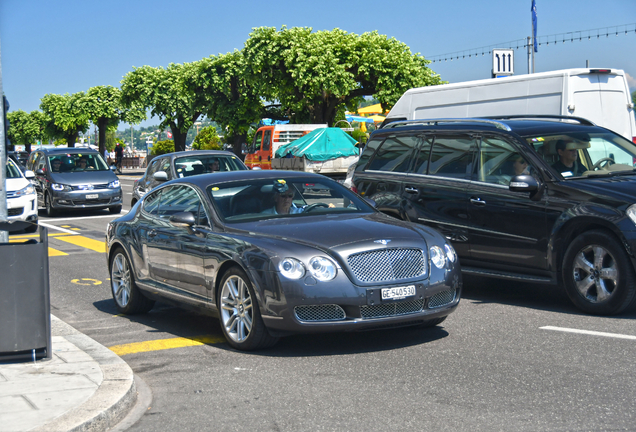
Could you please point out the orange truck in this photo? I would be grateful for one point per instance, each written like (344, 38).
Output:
(269, 138)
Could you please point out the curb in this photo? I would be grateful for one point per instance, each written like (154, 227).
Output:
(115, 396)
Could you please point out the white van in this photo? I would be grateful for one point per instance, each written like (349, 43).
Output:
(599, 95)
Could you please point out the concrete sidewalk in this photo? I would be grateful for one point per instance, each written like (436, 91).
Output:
(84, 387)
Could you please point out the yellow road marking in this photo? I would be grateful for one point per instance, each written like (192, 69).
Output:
(55, 252)
(88, 243)
(36, 236)
(88, 280)
(163, 344)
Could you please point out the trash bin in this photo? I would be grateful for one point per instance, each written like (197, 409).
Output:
(25, 306)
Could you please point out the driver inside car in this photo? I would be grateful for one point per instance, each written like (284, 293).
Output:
(568, 164)
(283, 200)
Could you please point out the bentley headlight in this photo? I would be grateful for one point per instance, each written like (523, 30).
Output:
(113, 185)
(322, 268)
(450, 253)
(60, 187)
(29, 190)
(291, 268)
(438, 257)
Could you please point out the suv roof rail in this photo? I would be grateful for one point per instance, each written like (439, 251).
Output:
(497, 124)
(581, 120)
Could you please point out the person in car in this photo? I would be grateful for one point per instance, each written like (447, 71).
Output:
(55, 165)
(283, 200)
(83, 165)
(568, 164)
(212, 166)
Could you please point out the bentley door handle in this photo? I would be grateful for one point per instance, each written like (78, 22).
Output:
(478, 201)
(152, 233)
(411, 190)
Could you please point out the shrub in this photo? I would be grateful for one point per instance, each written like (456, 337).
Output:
(162, 147)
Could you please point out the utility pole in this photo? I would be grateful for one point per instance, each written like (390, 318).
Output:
(4, 217)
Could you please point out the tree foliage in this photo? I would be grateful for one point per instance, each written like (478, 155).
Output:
(104, 108)
(207, 139)
(163, 147)
(229, 100)
(313, 74)
(163, 91)
(66, 116)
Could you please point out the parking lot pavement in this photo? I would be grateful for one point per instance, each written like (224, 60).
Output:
(85, 386)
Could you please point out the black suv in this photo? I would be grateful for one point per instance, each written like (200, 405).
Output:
(542, 199)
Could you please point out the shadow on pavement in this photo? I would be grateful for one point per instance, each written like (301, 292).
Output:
(185, 323)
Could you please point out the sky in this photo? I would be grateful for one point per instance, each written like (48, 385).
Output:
(67, 46)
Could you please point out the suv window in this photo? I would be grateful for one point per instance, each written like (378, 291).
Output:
(452, 156)
(498, 161)
(369, 150)
(423, 155)
(395, 154)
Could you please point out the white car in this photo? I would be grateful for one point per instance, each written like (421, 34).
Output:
(22, 200)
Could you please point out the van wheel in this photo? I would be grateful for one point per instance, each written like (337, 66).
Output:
(50, 210)
(598, 276)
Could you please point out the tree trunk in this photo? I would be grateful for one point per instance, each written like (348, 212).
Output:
(101, 125)
(179, 139)
(70, 140)
(237, 145)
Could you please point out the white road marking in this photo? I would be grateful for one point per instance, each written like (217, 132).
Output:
(57, 228)
(589, 332)
(89, 217)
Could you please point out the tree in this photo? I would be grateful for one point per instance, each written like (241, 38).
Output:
(229, 100)
(207, 139)
(19, 132)
(163, 147)
(312, 75)
(104, 108)
(164, 92)
(66, 116)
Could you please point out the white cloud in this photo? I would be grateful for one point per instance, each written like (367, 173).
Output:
(631, 81)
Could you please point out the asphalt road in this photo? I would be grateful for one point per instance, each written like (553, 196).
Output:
(512, 357)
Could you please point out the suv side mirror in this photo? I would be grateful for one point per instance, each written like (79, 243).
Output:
(526, 183)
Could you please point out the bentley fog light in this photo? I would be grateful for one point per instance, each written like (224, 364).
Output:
(291, 268)
(450, 253)
(322, 269)
(438, 257)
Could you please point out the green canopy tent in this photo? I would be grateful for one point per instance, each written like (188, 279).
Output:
(320, 145)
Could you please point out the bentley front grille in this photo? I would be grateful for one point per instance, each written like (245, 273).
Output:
(391, 309)
(319, 313)
(386, 265)
(441, 299)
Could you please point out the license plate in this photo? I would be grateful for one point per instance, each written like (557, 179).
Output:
(92, 196)
(398, 292)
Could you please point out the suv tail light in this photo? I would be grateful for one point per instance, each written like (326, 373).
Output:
(634, 140)
(354, 188)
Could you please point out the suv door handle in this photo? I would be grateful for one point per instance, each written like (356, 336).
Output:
(411, 190)
(478, 201)
(152, 233)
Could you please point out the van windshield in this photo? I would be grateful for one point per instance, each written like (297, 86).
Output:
(579, 155)
(72, 162)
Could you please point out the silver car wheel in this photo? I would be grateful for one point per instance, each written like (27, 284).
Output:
(120, 280)
(595, 273)
(236, 309)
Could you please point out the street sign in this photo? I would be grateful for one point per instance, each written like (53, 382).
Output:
(503, 62)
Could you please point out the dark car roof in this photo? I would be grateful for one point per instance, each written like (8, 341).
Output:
(67, 150)
(203, 180)
(522, 126)
(196, 153)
